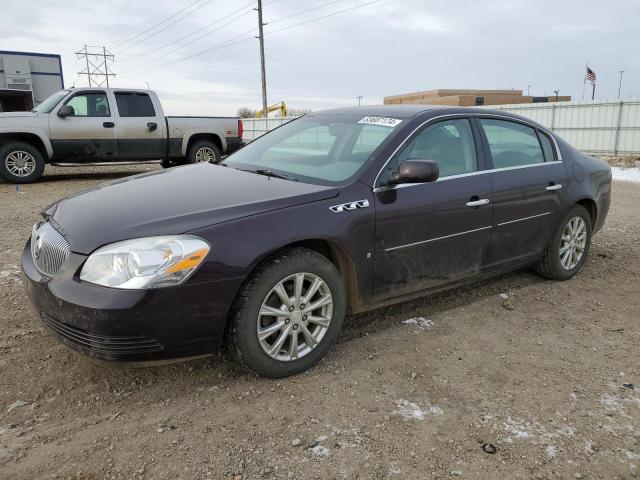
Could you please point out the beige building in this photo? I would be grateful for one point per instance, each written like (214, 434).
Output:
(469, 98)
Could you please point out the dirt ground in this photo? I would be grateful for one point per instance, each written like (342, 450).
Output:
(514, 378)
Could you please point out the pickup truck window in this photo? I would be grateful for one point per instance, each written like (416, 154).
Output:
(90, 104)
(50, 102)
(321, 149)
(134, 104)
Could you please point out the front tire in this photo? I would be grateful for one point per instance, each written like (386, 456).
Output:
(204, 151)
(20, 163)
(567, 252)
(287, 314)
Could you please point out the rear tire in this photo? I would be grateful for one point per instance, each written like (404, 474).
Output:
(290, 337)
(567, 252)
(204, 151)
(20, 162)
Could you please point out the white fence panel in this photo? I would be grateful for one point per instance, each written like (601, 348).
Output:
(598, 128)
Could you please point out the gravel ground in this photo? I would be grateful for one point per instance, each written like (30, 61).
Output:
(514, 378)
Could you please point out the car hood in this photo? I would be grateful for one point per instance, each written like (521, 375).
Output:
(173, 201)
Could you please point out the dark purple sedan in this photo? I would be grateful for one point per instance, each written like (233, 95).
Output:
(334, 213)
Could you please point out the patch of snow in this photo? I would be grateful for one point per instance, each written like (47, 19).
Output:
(409, 410)
(626, 174)
(419, 322)
(551, 451)
(16, 404)
(504, 296)
(320, 451)
(413, 411)
(394, 470)
(10, 272)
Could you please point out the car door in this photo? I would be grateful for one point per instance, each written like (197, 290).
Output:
(528, 178)
(141, 133)
(433, 234)
(89, 133)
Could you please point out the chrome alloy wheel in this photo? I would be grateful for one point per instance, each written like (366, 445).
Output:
(573, 243)
(294, 316)
(205, 155)
(20, 163)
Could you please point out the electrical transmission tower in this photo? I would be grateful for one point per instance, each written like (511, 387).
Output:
(97, 61)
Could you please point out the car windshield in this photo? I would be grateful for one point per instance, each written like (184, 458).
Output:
(326, 148)
(50, 102)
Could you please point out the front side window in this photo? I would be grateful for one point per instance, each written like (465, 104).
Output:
(449, 143)
(134, 104)
(90, 104)
(512, 144)
(325, 149)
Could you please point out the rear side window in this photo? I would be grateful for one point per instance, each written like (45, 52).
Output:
(134, 104)
(512, 144)
(547, 148)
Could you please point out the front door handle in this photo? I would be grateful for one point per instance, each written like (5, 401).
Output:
(552, 188)
(152, 126)
(108, 124)
(478, 203)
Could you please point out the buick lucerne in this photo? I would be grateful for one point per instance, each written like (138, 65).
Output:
(331, 214)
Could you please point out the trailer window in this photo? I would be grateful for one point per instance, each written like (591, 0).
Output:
(134, 104)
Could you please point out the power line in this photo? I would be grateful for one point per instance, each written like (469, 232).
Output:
(231, 41)
(194, 33)
(303, 12)
(165, 27)
(156, 25)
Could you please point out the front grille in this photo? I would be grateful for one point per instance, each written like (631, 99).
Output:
(111, 345)
(49, 248)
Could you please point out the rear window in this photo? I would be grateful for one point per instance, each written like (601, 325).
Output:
(134, 104)
(512, 144)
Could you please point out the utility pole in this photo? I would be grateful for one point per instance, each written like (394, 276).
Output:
(359, 98)
(96, 65)
(620, 82)
(264, 74)
(528, 87)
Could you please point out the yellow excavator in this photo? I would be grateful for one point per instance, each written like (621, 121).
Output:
(282, 107)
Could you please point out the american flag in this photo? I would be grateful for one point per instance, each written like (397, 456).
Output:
(591, 75)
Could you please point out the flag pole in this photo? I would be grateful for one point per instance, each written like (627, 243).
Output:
(584, 81)
(593, 92)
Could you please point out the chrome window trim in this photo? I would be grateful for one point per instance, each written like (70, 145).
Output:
(470, 115)
(437, 238)
(470, 174)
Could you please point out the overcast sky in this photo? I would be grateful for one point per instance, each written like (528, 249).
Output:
(383, 48)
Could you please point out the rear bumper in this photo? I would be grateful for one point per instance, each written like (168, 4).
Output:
(234, 144)
(129, 325)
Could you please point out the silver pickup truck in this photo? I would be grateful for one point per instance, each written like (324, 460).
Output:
(108, 126)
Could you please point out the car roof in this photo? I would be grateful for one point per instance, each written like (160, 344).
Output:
(401, 111)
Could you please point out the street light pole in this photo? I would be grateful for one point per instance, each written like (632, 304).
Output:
(620, 82)
(556, 92)
(262, 67)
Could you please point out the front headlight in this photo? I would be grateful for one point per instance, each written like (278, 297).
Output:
(150, 262)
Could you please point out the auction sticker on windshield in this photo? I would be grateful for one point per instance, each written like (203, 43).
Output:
(383, 121)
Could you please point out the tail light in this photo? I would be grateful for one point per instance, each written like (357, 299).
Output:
(240, 128)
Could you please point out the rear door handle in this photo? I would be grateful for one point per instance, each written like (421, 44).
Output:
(478, 203)
(108, 124)
(152, 126)
(552, 188)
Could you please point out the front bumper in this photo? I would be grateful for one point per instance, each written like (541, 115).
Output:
(129, 325)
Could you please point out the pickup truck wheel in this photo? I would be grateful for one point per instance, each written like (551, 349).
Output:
(287, 314)
(20, 163)
(204, 151)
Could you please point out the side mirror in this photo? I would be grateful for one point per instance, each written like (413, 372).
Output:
(66, 111)
(416, 171)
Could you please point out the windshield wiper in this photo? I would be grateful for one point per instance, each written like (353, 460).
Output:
(268, 173)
